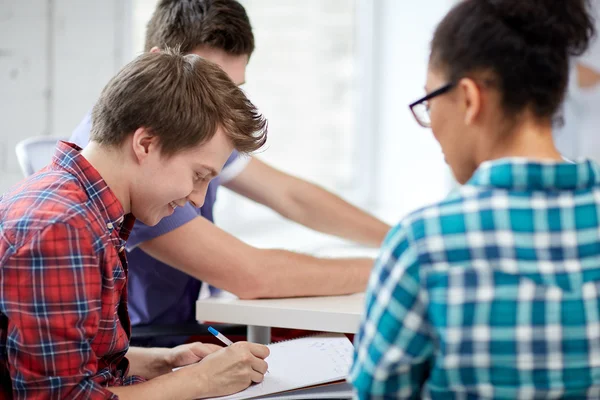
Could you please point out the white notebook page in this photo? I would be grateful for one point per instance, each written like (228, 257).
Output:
(302, 362)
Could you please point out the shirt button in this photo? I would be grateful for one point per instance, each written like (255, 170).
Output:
(110, 225)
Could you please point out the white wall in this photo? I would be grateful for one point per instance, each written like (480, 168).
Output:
(55, 57)
(410, 168)
(302, 77)
(398, 162)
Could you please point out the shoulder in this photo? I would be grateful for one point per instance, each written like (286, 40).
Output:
(440, 217)
(235, 164)
(44, 199)
(425, 230)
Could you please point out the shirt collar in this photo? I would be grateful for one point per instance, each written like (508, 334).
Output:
(68, 156)
(526, 174)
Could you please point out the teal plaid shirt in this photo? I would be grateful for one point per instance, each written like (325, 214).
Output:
(492, 293)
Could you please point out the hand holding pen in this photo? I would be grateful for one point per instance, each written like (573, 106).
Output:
(222, 338)
(227, 370)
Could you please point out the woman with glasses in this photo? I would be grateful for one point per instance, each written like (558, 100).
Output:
(494, 292)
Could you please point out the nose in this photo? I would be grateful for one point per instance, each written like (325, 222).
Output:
(197, 197)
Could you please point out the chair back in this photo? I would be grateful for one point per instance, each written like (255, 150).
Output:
(35, 153)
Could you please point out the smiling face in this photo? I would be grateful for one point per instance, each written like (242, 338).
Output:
(163, 183)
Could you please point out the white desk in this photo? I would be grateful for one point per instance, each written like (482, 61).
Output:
(331, 314)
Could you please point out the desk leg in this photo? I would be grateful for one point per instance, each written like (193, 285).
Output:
(259, 334)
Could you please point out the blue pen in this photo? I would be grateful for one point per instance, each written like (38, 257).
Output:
(220, 336)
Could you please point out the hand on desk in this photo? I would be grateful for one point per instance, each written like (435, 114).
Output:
(228, 370)
(190, 353)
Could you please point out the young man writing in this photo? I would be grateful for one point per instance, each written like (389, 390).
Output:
(64, 324)
(169, 261)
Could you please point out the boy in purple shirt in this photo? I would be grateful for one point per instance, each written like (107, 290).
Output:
(169, 260)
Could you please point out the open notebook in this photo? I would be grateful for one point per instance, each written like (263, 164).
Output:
(302, 363)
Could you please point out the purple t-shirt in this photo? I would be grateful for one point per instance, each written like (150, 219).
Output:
(159, 293)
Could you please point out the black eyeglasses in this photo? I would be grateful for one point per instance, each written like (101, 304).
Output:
(420, 108)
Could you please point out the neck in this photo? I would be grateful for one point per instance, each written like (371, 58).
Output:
(528, 139)
(109, 162)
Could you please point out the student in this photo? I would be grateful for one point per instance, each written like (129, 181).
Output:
(169, 260)
(64, 325)
(494, 292)
(579, 138)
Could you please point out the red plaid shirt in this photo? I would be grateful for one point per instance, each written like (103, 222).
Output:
(64, 327)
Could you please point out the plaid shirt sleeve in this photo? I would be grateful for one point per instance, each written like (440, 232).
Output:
(394, 347)
(51, 294)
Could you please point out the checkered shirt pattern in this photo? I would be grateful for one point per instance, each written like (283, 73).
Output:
(492, 293)
(64, 329)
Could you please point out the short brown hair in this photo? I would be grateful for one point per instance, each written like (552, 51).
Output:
(182, 99)
(221, 24)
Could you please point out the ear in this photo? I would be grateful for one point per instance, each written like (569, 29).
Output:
(143, 144)
(155, 49)
(471, 99)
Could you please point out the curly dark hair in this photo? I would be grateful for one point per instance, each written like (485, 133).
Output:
(525, 45)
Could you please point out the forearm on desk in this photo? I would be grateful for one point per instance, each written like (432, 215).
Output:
(206, 252)
(281, 273)
(148, 362)
(175, 385)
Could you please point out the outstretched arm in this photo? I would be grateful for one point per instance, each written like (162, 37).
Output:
(202, 250)
(307, 204)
